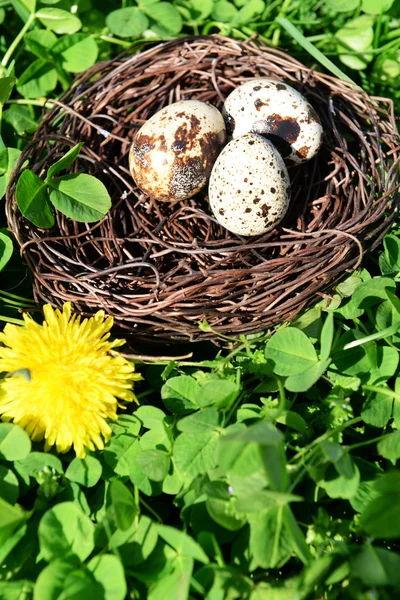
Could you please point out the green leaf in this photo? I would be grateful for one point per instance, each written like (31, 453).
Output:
(85, 471)
(369, 474)
(182, 543)
(154, 464)
(298, 541)
(391, 245)
(224, 11)
(225, 514)
(38, 80)
(14, 442)
(120, 453)
(109, 572)
(11, 544)
(376, 567)
(81, 197)
(127, 22)
(6, 86)
(291, 351)
(195, 453)
(159, 438)
(21, 118)
(65, 161)
(128, 424)
(8, 159)
(16, 590)
(275, 466)
(205, 420)
(166, 15)
(65, 532)
(377, 409)
(35, 462)
(202, 8)
(150, 416)
(39, 41)
(11, 517)
(338, 6)
(232, 446)
(78, 52)
(326, 337)
(9, 488)
(175, 583)
(269, 543)
(179, 394)
(357, 35)
(263, 500)
(301, 382)
(375, 8)
(58, 20)
(50, 583)
(339, 486)
(6, 248)
(135, 544)
(381, 517)
(249, 12)
(389, 446)
(24, 8)
(373, 292)
(33, 200)
(217, 392)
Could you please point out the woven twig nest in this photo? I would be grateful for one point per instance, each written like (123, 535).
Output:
(160, 268)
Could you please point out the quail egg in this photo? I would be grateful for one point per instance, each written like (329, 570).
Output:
(249, 186)
(277, 111)
(173, 153)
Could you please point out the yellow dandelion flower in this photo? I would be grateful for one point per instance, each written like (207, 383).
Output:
(63, 379)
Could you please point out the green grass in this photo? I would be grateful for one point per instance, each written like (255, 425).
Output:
(266, 471)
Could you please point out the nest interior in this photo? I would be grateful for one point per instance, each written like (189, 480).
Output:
(161, 268)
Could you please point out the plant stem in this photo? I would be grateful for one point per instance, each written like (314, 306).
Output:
(282, 13)
(112, 40)
(27, 102)
(17, 40)
(282, 395)
(380, 390)
(11, 320)
(153, 512)
(325, 436)
(360, 444)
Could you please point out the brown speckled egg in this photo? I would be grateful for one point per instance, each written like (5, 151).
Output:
(277, 111)
(173, 153)
(249, 186)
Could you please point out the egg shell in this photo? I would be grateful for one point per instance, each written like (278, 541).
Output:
(174, 151)
(280, 113)
(249, 186)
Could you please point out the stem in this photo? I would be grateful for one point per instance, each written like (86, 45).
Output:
(11, 320)
(111, 40)
(325, 436)
(381, 390)
(20, 298)
(153, 512)
(282, 13)
(360, 444)
(28, 102)
(17, 40)
(282, 395)
(389, 331)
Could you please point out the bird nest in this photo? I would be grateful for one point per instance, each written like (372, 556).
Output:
(161, 268)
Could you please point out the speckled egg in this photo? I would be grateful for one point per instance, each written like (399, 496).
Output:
(173, 153)
(249, 186)
(277, 111)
